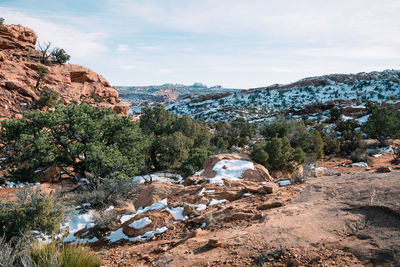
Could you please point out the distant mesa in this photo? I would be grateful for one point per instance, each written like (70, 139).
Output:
(308, 96)
(168, 92)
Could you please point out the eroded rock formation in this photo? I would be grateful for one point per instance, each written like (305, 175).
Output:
(19, 64)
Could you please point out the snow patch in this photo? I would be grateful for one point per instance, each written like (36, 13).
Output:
(230, 170)
(360, 164)
(109, 209)
(139, 224)
(388, 150)
(159, 176)
(216, 202)
(284, 182)
(156, 206)
(200, 207)
(78, 222)
(125, 218)
(10, 184)
(119, 235)
(363, 119)
(177, 213)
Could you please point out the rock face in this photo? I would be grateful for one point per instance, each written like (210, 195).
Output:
(156, 192)
(19, 64)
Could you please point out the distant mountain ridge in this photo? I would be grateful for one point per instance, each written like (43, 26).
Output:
(261, 102)
(168, 92)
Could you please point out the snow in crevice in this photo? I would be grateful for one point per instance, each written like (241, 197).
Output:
(119, 235)
(216, 202)
(159, 176)
(177, 213)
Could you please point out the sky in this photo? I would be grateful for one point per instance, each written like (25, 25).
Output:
(233, 43)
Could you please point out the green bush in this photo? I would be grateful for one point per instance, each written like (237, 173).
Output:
(32, 212)
(309, 141)
(195, 162)
(172, 138)
(47, 98)
(280, 128)
(83, 141)
(109, 192)
(78, 256)
(343, 139)
(382, 124)
(14, 253)
(360, 155)
(317, 144)
(259, 155)
(44, 255)
(278, 154)
(331, 143)
(334, 114)
(105, 220)
(235, 133)
(59, 55)
(1, 21)
(42, 72)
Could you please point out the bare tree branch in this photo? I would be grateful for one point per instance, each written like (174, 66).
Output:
(44, 48)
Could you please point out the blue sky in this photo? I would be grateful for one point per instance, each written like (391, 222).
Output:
(234, 43)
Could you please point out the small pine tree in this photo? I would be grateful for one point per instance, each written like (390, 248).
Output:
(278, 154)
(42, 72)
(47, 98)
(60, 56)
(382, 124)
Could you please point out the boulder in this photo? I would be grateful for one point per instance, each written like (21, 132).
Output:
(157, 191)
(158, 219)
(259, 174)
(214, 243)
(270, 187)
(384, 169)
(122, 108)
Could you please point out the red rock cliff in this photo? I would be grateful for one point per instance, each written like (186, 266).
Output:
(19, 62)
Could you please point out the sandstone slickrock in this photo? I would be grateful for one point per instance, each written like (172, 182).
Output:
(19, 62)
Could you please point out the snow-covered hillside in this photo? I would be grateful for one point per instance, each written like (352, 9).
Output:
(259, 103)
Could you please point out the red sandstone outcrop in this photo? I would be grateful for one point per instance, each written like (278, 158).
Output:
(19, 62)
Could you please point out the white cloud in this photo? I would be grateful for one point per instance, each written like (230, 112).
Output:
(310, 20)
(123, 48)
(236, 43)
(79, 44)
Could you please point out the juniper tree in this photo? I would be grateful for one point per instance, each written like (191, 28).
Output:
(81, 140)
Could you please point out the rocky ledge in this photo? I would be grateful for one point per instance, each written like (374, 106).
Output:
(19, 64)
